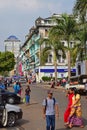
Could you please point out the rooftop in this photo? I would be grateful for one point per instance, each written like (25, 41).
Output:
(12, 38)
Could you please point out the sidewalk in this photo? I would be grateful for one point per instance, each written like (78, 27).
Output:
(47, 85)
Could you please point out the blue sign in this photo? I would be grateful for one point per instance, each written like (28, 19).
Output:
(58, 70)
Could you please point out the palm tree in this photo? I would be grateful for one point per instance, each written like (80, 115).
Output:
(65, 29)
(52, 44)
(80, 9)
(81, 46)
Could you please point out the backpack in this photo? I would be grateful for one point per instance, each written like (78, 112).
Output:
(46, 102)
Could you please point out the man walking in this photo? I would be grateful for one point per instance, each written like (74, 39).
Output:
(50, 110)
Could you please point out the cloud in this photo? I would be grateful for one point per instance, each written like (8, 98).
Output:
(29, 5)
(18, 16)
(20, 4)
(34, 6)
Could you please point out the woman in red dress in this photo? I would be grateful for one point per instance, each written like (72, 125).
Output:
(70, 95)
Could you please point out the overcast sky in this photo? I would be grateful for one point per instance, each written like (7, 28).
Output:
(18, 16)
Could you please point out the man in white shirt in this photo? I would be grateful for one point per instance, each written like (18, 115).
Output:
(50, 109)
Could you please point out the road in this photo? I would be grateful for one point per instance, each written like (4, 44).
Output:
(32, 114)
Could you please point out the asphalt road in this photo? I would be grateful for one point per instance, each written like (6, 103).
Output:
(32, 114)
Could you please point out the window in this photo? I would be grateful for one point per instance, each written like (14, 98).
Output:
(50, 59)
(46, 33)
(79, 69)
(59, 59)
(71, 44)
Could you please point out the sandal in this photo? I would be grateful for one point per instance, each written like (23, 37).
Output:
(82, 126)
(70, 126)
(66, 125)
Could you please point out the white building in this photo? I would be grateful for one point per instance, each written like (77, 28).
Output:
(12, 44)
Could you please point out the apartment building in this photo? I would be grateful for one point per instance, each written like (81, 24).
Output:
(31, 50)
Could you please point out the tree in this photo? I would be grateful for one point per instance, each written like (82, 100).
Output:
(80, 9)
(66, 29)
(81, 46)
(52, 44)
(7, 61)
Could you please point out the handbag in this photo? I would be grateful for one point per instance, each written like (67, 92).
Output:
(24, 100)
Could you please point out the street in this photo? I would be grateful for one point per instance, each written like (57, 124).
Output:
(32, 114)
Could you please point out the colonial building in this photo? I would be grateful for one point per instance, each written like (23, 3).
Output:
(31, 50)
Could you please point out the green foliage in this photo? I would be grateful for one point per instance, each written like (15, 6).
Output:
(46, 78)
(7, 61)
(80, 9)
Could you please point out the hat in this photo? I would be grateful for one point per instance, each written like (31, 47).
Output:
(49, 91)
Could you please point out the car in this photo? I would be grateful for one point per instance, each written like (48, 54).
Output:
(9, 114)
(10, 97)
(77, 82)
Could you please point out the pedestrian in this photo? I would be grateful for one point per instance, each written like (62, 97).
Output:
(16, 87)
(50, 110)
(21, 88)
(27, 95)
(2, 86)
(63, 82)
(29, 81)
(75, 117)
(69, 95)
(86, 88)
(52, 83)
(5, 83)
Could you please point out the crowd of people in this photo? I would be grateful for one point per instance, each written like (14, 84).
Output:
(72, 114)
(17, 88)
(62, 82)
(4, 83)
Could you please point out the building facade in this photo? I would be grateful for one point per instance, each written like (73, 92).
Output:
(31, 50)
(13, 44)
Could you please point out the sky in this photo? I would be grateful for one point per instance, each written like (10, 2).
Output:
(18, 16)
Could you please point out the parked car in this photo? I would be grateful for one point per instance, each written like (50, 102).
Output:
(78, 82)
(10, 97)
(9, 114)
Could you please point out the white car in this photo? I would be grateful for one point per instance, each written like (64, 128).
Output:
(77, 86)
(9, 114)
(78, 82)
(80, 88)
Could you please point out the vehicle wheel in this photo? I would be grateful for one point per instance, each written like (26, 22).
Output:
(11, 100)
(11, 119)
